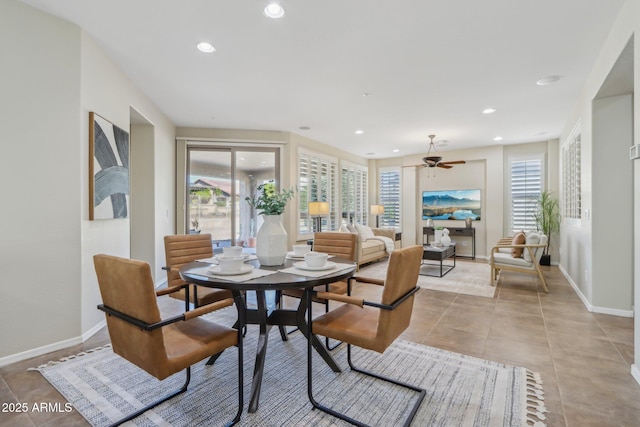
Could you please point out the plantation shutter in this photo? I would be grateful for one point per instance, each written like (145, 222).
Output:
(316, 183)
(389, 197)
(526, 186)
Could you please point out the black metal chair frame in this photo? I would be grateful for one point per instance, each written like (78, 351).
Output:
(422, 392)
(151, 326)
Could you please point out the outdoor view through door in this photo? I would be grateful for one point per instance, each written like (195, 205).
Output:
(218, 181)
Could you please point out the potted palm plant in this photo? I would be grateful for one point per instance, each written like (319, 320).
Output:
(547, 218)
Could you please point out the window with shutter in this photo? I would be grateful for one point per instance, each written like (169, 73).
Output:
(389, 196)
(526, 186)
(316, 183)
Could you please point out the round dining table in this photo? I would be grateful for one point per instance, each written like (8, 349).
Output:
(266, 316)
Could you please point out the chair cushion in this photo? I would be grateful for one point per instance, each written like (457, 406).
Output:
(532, 239)
(518, 239)
(507, 259)
(365, 232)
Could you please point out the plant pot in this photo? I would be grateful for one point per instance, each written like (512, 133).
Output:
(545, 260)
(271, 241)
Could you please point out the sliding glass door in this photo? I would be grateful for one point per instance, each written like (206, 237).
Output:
(218, 180)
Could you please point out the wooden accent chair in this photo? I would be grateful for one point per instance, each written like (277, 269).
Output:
(509, 254)
(160, 347)
(182, 249)
(338, 244)
(372, 325)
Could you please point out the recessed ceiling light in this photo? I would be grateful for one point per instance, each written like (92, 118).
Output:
(497, 138)
(205, 47)
(274, 10)
(547, 80)
(488, 110)
(396, 151)
(359, 132)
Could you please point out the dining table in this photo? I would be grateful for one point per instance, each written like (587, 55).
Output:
(271, 279)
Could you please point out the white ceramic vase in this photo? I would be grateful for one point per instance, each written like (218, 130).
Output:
(271, 241)
(437, 235)
(445, 239)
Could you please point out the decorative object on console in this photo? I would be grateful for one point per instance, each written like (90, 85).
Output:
(451, 204)
(316, 211)
(271, 239)
(108, 169)
(377, 210)
(467, 222)
(445, 239)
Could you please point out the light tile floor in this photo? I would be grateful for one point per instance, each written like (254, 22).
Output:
(584, 358)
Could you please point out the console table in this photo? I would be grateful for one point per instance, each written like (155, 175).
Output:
(467, 232)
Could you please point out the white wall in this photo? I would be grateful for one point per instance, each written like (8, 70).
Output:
(40, 172)
(578, 238)
(57, 74)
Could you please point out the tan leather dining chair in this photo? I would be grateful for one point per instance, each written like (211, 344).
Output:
(182, 249)
(337, 244)
(161, 347)
(373, 325)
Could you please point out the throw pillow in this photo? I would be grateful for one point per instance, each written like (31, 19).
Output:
(343, 229)
(532, 239)
(351, 228)
(365, 232)
(518, 239)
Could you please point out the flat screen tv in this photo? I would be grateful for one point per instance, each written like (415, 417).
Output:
(451, 204)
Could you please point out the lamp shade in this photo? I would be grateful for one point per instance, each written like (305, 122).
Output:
(377, 209)
(318, 208)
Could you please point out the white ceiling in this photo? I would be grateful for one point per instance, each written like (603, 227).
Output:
(429, 66)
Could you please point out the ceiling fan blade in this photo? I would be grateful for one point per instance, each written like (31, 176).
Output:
(454, 162)
(414, 166)
(440, 165)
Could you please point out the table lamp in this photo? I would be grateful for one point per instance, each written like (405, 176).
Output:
(316, 211)
(377, 210)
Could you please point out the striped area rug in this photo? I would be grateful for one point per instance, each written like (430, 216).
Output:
(461, 390)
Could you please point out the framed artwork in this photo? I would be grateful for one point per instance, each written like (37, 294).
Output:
(108, 169)
(451, 204)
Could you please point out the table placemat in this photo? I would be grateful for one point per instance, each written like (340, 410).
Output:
(213, 259)
(309, 273)
(253, 274)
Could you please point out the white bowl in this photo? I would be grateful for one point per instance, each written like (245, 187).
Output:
(300, 250)
(230, 263)
(232, 250)
(315, 259)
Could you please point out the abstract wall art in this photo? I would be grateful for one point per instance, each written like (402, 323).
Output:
(108, 169)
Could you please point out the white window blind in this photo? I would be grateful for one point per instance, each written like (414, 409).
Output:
(317, 182)
(526, 186)
(571, 176)
(355, 200)
(389, 197)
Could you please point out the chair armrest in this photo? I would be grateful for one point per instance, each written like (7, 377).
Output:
(341, 298)
(170, 290)
(386, 232)
(379, 282)
(208, 308)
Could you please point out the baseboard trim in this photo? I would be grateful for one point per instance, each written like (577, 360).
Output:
(91, 332)
(635, 372)
(588, 305)
(39, 351)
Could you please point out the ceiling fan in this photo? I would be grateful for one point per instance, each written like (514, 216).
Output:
(434, 159)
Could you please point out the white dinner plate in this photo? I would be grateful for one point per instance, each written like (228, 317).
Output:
(303, 266)
(215, 269)
(292, 255)
(245, 256)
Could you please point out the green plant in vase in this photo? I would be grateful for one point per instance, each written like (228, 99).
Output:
(548, 220)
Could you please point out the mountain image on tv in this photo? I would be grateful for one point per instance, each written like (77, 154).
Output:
(451, 204)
